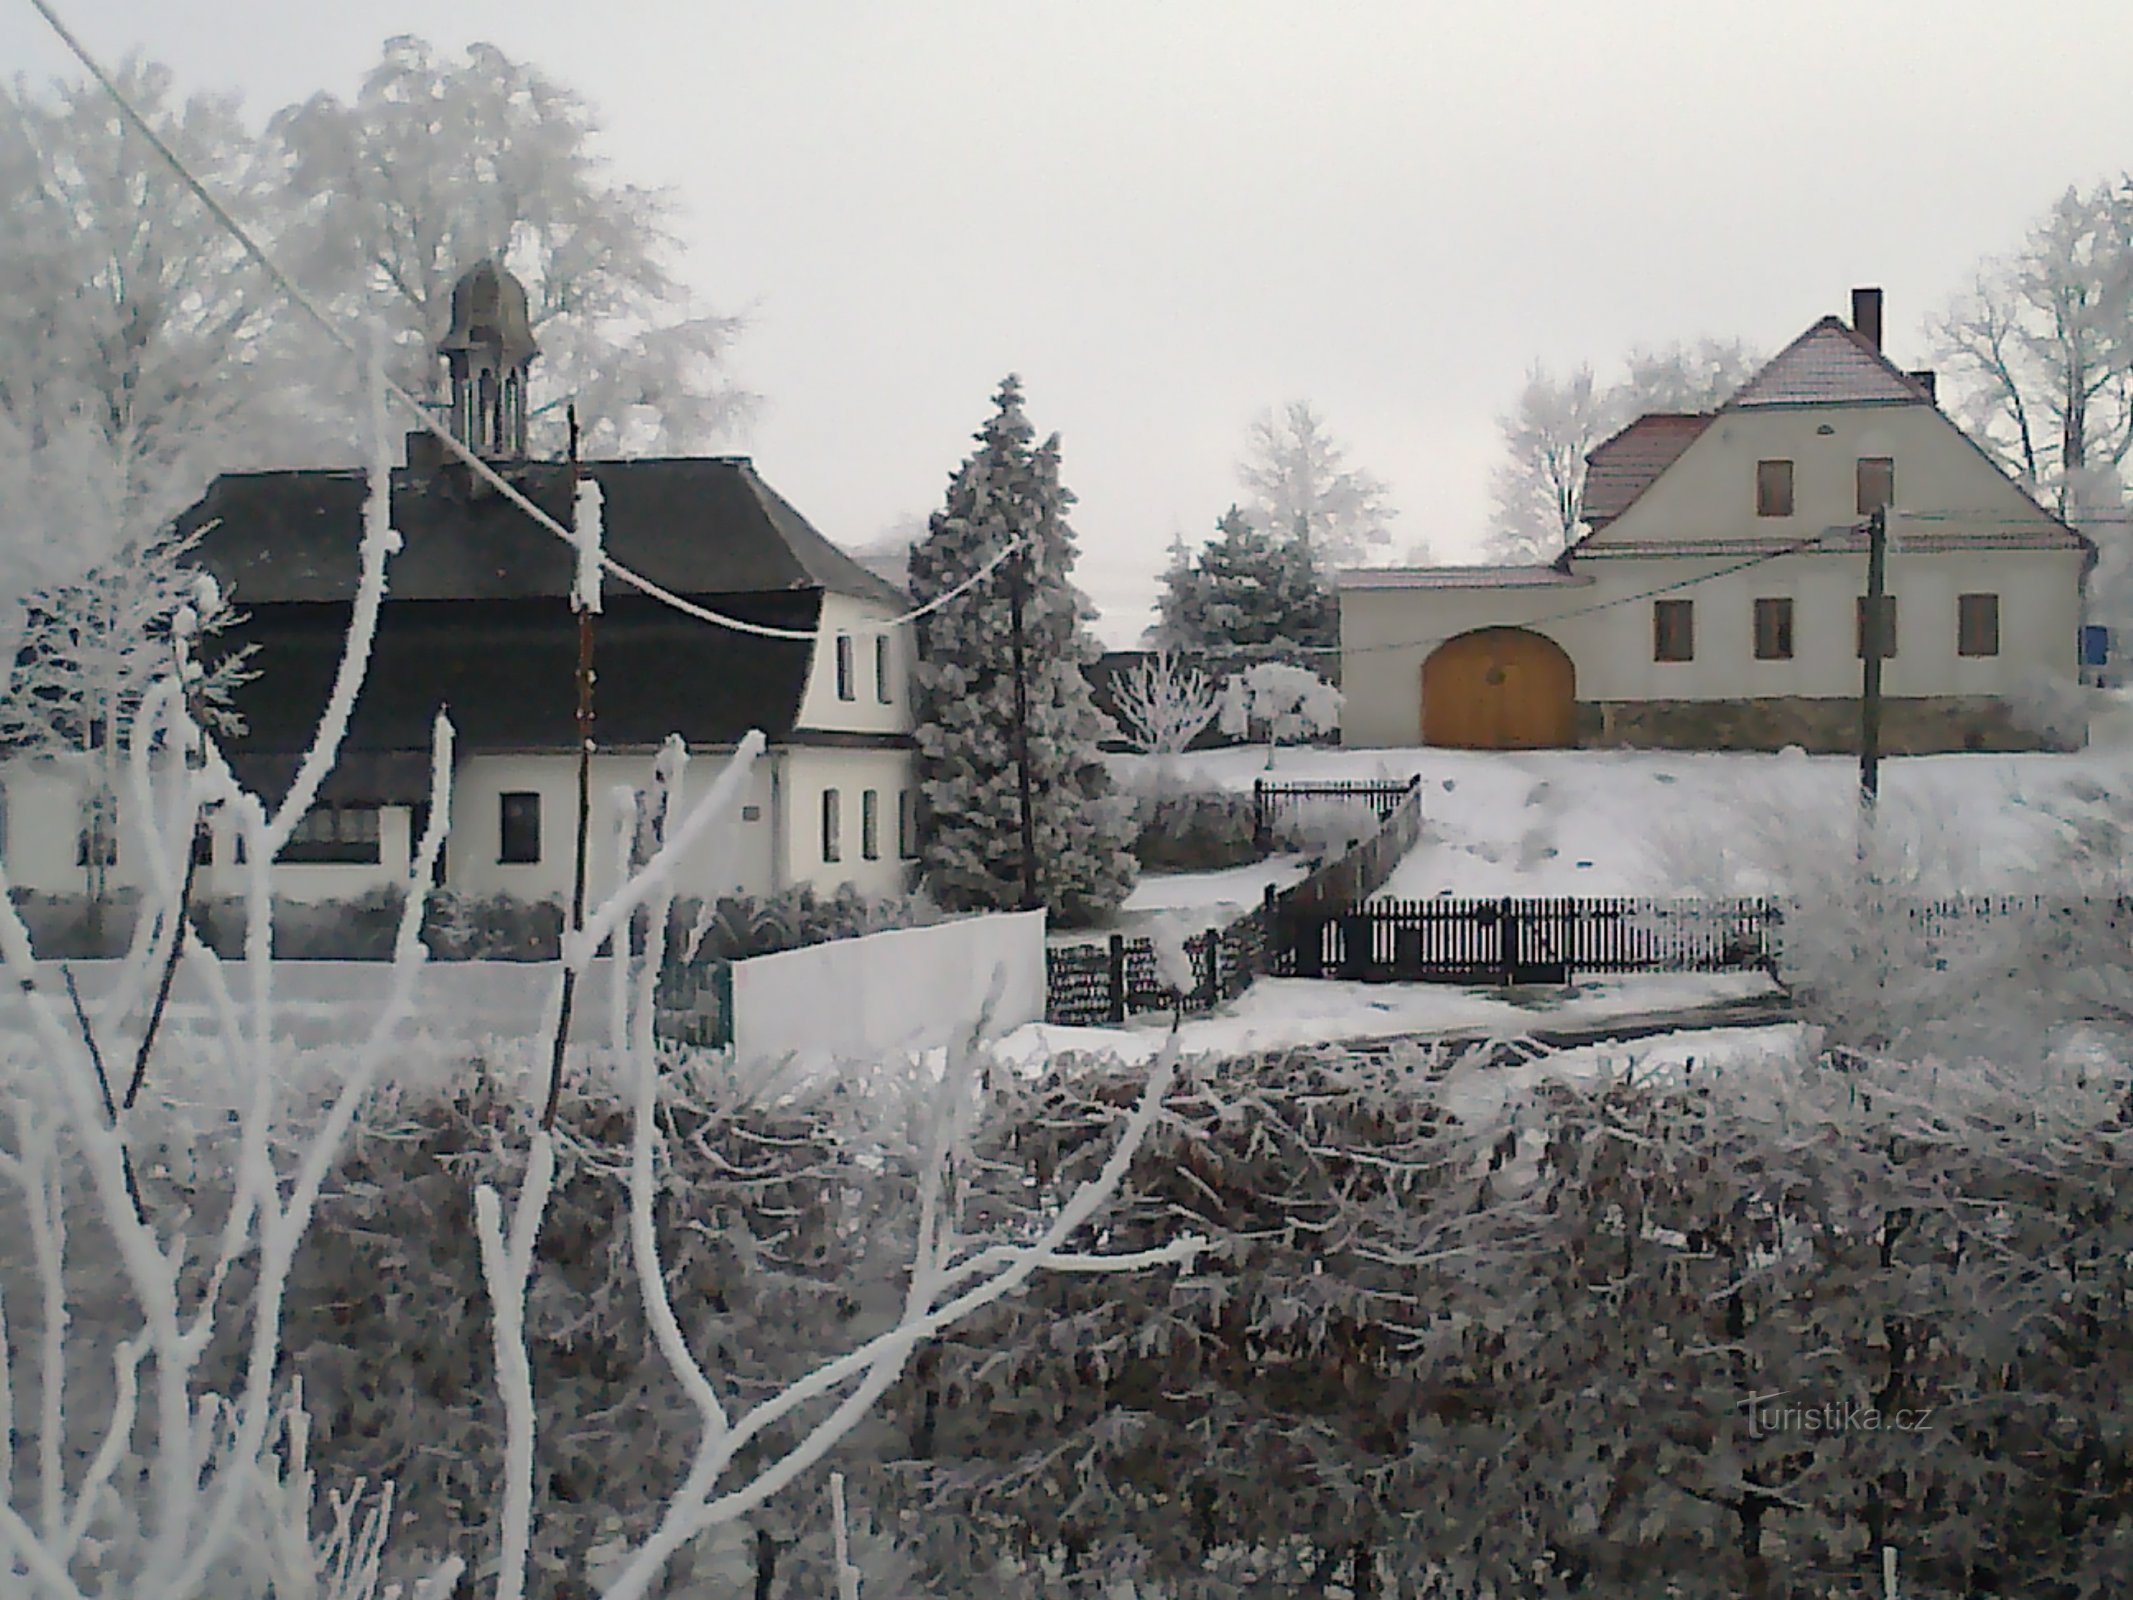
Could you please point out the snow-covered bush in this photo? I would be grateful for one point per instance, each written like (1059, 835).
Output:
(1532, 1329)
(1280, 703)
(1182, 829)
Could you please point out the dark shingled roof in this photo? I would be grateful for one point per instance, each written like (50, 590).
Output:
(1623, 467)
(694, 525)
(477, 616)
(507, 673)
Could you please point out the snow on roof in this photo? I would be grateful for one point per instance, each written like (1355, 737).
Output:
(1830, 364)
(1623, 467)
(1460, 578)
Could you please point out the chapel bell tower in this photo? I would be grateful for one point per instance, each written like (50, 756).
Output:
(487, 351)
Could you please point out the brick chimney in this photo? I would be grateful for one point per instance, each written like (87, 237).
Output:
(1866, 315)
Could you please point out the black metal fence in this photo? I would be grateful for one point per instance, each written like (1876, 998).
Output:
(1519, 940)
(1271, 799)
(1096, 984)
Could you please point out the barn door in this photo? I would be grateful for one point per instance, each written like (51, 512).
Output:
(1499, 689)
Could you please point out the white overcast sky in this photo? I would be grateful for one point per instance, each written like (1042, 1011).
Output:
(1168, 214)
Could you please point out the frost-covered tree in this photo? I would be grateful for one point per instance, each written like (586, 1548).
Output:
(139, 349)
(2039, 351)
(439, 163)
(1280, 703)
(1163, 703)
(1008, 493)
(1252, 593)
(1298, 476)
(1538, 487)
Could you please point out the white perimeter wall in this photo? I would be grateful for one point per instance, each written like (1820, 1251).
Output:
(913, 989)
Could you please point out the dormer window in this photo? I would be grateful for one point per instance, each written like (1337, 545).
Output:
(847, 689)
(1773, 488)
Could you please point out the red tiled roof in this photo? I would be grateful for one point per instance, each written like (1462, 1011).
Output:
(1829, 364)
(1623, 467)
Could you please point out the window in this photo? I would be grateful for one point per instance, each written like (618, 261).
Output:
(1877, 484)
(832, 826)
(846, 689)
(336, 835)
(751, 813)
(518, 830)
(1888, 626)
(904, 850)
(203, 843)
(870, 825)
(1673, 630)
(881, 669)
(1977, 624)
(1773, 630)
(1773, 488)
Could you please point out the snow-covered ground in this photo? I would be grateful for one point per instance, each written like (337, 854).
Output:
(1613, 822)
(1283, 1013)
(1234, 888)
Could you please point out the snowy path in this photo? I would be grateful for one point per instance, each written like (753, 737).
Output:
(1292, 1013)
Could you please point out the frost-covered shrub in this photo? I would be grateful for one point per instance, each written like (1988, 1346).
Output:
(74, 927)
(734, 927)
(495, 927)
(1536, 1335)
(1192, 830)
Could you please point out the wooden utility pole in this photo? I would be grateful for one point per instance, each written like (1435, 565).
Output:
(585, 751)
(1017, 580)
(1873, 627)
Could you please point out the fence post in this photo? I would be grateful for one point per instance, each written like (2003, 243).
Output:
(1269, 933)
(1214, 969)
(1118, 979)
(1355, 945)
(1506, 942)
(1259, 832)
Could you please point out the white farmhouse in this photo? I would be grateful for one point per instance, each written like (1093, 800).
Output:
(1715, 602)
(477, 620)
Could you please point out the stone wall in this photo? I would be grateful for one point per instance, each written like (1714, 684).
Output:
(1923, 725)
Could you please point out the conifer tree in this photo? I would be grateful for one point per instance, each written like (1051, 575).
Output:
(1253, 594)
(969, 780)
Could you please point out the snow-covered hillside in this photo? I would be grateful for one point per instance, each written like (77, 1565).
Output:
(1617, 822)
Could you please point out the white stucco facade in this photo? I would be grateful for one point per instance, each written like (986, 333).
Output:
(1697, 536)
(853, 746)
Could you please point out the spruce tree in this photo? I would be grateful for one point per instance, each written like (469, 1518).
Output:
(969, 782)
(1252, 595)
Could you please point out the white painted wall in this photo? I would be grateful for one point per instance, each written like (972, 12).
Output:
(865, 712)
(806, 774)
(726, 862)
(1709, 493)
(911, 989)
(43, 803)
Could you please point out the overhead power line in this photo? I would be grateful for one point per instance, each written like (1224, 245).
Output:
(421, 413)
